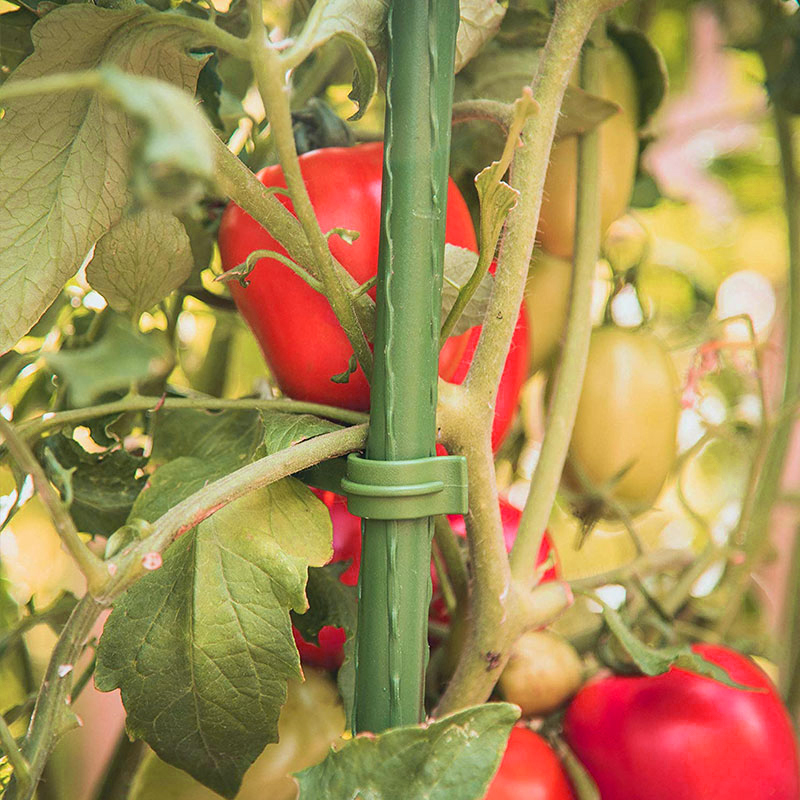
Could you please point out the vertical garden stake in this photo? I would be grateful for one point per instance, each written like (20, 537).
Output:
(391, 647)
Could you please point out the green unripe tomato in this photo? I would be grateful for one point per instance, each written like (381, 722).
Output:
(624, 439)
(542, 673)
(547, 303)
(619, 150)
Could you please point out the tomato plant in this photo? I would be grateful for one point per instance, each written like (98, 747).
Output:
(141, 439)
(682, 736)
(529, 769)
(624, 439)
(299, 334)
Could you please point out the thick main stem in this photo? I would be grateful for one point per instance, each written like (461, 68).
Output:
(491, 626)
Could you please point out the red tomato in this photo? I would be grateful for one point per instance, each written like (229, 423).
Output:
(681, 736)
(515, 373)
(530, 770)
(299, 334)
(510, 517)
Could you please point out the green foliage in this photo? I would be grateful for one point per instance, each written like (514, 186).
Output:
(100, 488)
(453, 758)
(202, 647)
(65, 157)
(120, 358)
(15, 39)
(140, 261)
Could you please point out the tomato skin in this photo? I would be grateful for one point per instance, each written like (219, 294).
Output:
(547, 301)
(543, 672)
(619, 150)
(530, 770)
(627, 416)
(681, 736)
(295, 326)
(515, 373)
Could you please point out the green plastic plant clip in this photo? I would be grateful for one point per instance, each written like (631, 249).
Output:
(421, 487)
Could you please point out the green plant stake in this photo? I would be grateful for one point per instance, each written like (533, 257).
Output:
(391, 648)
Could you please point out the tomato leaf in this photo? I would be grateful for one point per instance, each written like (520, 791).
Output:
(102, 486)
(202, 648)
(140, 261)
(453, 758)
(282, 430)
(648, 64)
(581, 111)
(64, 158)
(656, 661)
(121, 357)
(480, 21)
(331, 602)
(459, 264)
(359, 24)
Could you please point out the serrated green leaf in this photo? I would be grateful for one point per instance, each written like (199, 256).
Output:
(453, 758)
(121, 357)
(282, 430)
(459, 264)
(103, 486)
(480, 21)
(202, 648)
(648, 64)
(358, 23)
(656, 661)
(64, 158)
(140, 261)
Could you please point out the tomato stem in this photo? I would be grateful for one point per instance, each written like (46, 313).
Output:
(495, 620)
(270, 76)
(569, 376)
(89, 564)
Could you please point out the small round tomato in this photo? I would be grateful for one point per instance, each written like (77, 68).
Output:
(547, 301)
(624, 439)
(515, 373)
(530, 770)
(682, 736)
(619, 149)
(301, 339)
(543, 672)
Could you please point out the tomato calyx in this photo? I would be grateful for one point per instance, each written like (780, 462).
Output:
(317, 125)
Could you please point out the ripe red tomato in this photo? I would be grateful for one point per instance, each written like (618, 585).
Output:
(530, 770)
(295, 326)
(681, 736)
(515, 373)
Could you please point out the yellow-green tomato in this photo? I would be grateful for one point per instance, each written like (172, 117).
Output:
(311, 721)
(624, 439)
(547, 304)
(542, 673)
(619, 148)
